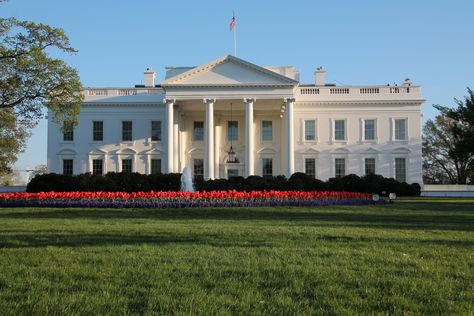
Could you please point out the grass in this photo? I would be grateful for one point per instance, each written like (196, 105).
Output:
(412, 257)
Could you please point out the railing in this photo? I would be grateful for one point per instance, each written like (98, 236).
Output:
(369, 90)
(127, 92)
(339, 91)
(308, 93)
(97, 92)
(101, 92)
(309, 90)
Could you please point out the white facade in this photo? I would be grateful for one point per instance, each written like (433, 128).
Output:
(322, 129)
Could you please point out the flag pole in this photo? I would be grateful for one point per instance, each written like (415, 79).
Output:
(235, 41)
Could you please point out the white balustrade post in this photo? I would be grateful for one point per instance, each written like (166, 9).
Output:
(249, 141)
(290, 139)
(169, 103)
(209, 140)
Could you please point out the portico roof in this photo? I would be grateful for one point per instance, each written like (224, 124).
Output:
(229, 71)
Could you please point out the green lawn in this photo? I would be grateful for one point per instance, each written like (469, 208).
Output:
(413, 257)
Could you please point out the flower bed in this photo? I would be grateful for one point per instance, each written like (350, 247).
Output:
(172, 199)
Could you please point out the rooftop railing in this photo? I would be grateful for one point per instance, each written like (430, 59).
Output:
(332, 93)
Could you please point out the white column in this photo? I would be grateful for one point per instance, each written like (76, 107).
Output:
(209, 140)
(290, 137)
(169, 118)
(249, 137)
(176, 143)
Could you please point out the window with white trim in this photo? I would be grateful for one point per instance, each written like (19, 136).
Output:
(98, 166)
(339, 129)
(339, 167)
(68, 166)
(267, 130)
(232, 130)
(198, 169)
(369, 130)
(156, 131)
(401, 169)
(127, 165)
(369, 166)
(198, 132)
(267, 167)
(98, 131)
(310, 167)
(68, 133)
(309, 130)
(155, 166)
(127, 131)
(400, 129)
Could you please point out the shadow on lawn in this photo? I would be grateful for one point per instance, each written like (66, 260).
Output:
(419, 216)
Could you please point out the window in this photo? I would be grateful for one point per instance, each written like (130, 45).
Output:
(126, 131)
(310, 130)
(198, 134)
(267, 170)
(68, 133)
(400, 169)
(310, 167)
(97, 166)
(232, 173)
(340, 167)
(232, 130)
(156, 131)
(198, 169)
(339, 129)
(155, 166)
(68, 166)
(127, 165)
(267, 132)
(369, 129)
(98, 131)
(400, 129)
(369, 166)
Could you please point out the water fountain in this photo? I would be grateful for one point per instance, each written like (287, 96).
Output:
(187, 180)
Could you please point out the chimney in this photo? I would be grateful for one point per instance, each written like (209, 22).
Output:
(320, 76)
(150, 76)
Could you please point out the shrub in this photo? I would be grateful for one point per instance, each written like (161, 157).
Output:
(134, 182)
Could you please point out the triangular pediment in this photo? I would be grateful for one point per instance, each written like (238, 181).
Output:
(229, 71)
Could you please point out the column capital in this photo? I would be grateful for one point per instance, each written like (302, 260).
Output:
(249, 100)
(169, 100)
(288, 100)
(208, 100)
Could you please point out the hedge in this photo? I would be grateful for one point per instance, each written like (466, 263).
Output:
(134, 182)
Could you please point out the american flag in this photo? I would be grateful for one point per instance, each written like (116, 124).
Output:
(232, 23)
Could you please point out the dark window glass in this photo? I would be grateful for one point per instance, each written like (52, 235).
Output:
(310, 167)
(198, 169)
(400, 169)
(339, 129)
(267, 164)
(155, 166)
(156, 131)
(340, 167)
(68, 166)
(310, 130)
(198, 133)
(369, 129)
(369, 166)
(267, 131)
(231, 173)
(97, 166)
(126, 131)
(98, 131)
(68, 133)
(232, 130)
(127, 165)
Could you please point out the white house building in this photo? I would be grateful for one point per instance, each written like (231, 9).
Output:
(274, 124)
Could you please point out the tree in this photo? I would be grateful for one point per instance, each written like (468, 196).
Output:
(448, 143)
(31, 79)
(38, 170)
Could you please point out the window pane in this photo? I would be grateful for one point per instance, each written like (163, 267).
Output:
(310, 167)
(98, 131)
(232, 173)
(339, 129)
(400, 129)
(68, 134)
(198, 131)
(232, 130)
(156, 131)
(369, 166)
(400, 170)
(198, 169)
(155, 166)
(127, 165)
(126, 131)
(68, 166)
(310, 130)
(369, 129)
(340, 167)
(267, 164)
(267, 133)
(97, 166)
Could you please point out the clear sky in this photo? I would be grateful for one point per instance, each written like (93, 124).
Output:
(358, 42)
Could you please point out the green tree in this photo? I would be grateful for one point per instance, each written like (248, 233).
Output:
(448, 143)
(30, 79)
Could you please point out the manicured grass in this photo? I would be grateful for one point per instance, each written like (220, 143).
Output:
(412, 257)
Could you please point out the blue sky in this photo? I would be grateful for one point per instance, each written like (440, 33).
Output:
(358, 42)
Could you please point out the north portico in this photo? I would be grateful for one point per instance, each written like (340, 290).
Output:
(203, 117)
(207, 93)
